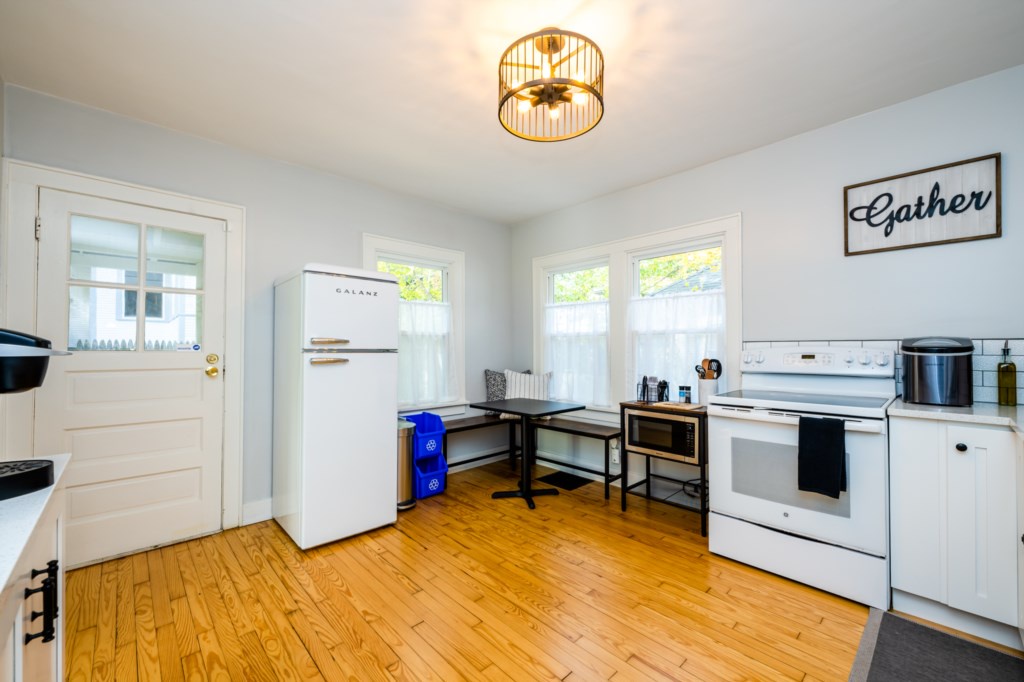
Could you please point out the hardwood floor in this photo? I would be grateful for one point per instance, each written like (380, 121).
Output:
(462, 587)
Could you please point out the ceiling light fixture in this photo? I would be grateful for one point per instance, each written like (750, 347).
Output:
(551, 86)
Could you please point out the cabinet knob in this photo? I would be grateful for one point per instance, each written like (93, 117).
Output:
(961, 447)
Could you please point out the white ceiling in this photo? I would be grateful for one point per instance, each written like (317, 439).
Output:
(403, 93)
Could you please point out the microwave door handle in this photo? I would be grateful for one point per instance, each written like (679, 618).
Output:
(761, 414)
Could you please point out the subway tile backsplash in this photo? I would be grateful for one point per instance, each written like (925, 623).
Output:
(988, 354)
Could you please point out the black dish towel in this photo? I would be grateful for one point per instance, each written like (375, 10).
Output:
(821, 456)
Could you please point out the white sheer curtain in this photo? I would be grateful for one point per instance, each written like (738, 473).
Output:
(426, 367)
(671, 334)
(576, 351)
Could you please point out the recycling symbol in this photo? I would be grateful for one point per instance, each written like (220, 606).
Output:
(431, 445)
(434, 484)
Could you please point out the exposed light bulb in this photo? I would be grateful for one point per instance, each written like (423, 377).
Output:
(578, 77)
(579, 98)
(524, 106)
(553, 111)
(546, 68)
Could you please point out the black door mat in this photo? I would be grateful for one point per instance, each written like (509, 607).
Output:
(895, 648)
(565, 481)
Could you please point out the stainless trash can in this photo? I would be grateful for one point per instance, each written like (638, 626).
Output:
(406, 494)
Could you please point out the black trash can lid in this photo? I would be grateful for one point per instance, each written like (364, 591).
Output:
(939, 345)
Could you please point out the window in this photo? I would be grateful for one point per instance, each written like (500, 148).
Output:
(430, 319)
(154, 300)
(677, 312)
(576, 335)
(652, 305)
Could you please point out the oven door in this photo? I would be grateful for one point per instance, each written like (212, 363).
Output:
(753, 476)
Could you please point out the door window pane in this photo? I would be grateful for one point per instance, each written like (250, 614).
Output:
(102, 250)
(94, 322)
(681, 273)
(180, 327)
(176, 255)
(154, 299)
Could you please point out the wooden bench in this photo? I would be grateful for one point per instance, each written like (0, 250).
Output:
(604, 432)
(481, 421)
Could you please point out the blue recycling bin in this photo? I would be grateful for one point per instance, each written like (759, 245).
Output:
(428, 439)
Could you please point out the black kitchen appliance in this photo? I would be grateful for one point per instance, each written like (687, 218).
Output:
(938, 370)
(23, 362)
(22, 373)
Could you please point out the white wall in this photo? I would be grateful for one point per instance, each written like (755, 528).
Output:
(293, 216)
(796, 282)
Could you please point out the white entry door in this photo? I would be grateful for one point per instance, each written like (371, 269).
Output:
(137, 294)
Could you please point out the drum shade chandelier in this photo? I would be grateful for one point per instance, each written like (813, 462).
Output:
(551, 86)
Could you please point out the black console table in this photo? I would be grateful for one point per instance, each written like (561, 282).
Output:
(697, 412)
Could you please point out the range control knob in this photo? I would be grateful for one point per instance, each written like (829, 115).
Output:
(881, 359)
(747, 358)
(760, 357)
(865, 359)
(849, 358)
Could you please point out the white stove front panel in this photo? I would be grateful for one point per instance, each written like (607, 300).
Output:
(753, 476)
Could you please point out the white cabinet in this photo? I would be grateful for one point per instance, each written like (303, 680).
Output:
(32, 525)
(953, 521)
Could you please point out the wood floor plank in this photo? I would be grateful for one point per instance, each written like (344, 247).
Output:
(103, 663)
(461, 587)
(146, 648)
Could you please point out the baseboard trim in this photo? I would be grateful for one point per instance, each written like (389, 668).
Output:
(257, 510)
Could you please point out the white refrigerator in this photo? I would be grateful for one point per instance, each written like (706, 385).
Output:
(335, 402)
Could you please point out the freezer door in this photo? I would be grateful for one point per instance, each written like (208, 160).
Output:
(349, 313)
(350, 451)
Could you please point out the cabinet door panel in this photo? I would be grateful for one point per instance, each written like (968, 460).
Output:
(917, 524)
(982, 521)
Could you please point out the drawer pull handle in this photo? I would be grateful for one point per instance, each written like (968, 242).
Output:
(49, 612)
(325, 341)
(327, 361)
(961, 447)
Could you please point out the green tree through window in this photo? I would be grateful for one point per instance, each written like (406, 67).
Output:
(416, 282)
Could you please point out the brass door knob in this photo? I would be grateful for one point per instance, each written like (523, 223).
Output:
(212, 372)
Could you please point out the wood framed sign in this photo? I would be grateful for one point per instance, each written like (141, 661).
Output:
(957, 202)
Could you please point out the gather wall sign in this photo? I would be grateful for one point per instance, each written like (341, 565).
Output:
(956, 202)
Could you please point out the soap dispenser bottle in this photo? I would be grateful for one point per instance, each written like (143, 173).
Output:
(1007, 378)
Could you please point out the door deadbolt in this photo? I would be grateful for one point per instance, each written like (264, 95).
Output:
(212, 359)
(212, 372)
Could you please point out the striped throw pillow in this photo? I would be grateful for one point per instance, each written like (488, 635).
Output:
(519, 385)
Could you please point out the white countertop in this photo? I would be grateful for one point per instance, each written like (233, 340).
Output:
(979, 413)
(19, 517)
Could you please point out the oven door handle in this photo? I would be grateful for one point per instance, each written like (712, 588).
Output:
(790, 419)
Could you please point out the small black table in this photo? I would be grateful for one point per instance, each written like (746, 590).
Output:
(527, 409)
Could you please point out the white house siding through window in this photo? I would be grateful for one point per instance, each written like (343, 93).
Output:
(106, 292)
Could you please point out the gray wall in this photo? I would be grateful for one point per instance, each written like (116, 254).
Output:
(796, 282)
(293, 216)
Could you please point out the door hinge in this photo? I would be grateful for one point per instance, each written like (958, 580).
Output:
(39, 226)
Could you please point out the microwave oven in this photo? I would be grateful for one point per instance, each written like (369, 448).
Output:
(668, 436)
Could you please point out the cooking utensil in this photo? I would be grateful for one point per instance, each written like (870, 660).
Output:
(701, 372)
(714, 369)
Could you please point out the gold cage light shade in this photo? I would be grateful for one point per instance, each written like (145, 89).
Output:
(551, 86)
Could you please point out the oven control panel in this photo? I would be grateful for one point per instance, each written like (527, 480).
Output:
(834, 360)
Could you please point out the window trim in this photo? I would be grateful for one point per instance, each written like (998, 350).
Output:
(454, 262)
(621, 255)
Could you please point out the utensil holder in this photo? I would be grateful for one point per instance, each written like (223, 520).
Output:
(705, 389)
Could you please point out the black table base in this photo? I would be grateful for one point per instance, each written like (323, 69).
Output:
(526, 496)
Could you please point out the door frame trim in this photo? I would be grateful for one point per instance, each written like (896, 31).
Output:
(19, 205)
